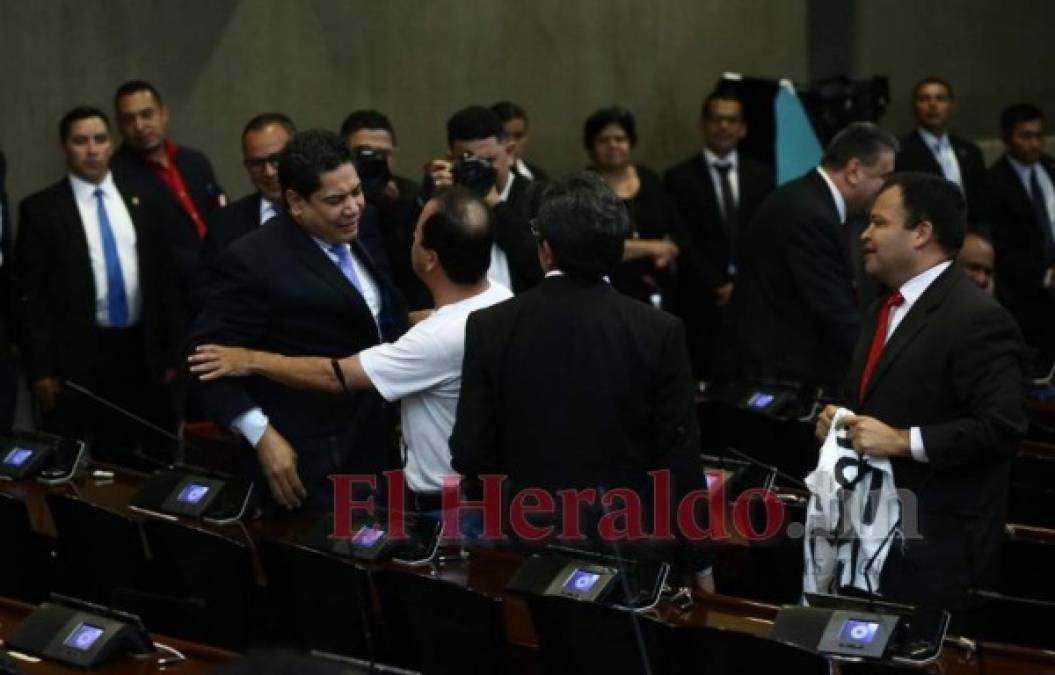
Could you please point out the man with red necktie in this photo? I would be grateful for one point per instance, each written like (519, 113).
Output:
(936, 383)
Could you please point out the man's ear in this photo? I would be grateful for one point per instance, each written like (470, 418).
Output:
(852, 171)
(295, 202)
(923, 234)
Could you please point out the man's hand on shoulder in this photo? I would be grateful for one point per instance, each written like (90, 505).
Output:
(279, 463)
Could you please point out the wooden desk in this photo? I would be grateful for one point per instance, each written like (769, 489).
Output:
(200, 658)
(489, 572)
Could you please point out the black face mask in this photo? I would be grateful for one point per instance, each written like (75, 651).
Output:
(372, 167)
(475, 173)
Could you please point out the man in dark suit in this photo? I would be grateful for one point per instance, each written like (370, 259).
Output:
(793, 316)
(303, 284)
(97, 299)
(1023, 228)
(179, 179)
(716, 193)
(263, 139)
(930, 148)
(572, 385)
(393, 198)
(936, 385)
(7, 365)
(515, 125)
(476, 132)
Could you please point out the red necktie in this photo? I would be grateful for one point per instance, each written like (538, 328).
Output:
(878, 340)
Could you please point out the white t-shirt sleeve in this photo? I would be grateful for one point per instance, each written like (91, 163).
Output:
(413, 363)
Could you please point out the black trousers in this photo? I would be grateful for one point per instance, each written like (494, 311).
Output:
(121, 377)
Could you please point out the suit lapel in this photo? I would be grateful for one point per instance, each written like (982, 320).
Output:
(133, 204)
(311, 256)
(70, 220)
(928, 155)
(914, 323)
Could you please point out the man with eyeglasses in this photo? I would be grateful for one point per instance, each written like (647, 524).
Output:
(263, 139)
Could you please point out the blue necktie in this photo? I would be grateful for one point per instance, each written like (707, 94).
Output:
(1040, 212)
(344, 262)
(116, 299)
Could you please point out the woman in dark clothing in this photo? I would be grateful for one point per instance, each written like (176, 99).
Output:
(646, 271)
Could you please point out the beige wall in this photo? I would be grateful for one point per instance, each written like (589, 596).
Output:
(993, 53)
(219, 62)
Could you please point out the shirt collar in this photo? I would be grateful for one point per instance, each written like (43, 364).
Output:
(840, 203)
(931, 140)
(912, 289)
(504, 194)
(1023, 170)
(171, 150)
(85, 191)
(733, 158)
(267, 209)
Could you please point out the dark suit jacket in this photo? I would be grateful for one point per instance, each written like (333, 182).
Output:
(916, 156)
(205, 192)
(525, 196)
(1020, 260)
(690, 187)
(229, 223)
(573, 385)
(793, 315)
(276, 290)
(952, 367)
(57, 289)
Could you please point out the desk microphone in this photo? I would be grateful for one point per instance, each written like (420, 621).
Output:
(639, 638)
(81, 389)
(768, 467)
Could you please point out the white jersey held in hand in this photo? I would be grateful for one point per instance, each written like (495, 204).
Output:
(852, 519)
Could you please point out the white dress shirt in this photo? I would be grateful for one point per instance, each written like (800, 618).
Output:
(911, 291)
(733, 160)
(840, 203)
(942, 150)
(267, 210)
(499, 269)
(253, 423)
(125, 238)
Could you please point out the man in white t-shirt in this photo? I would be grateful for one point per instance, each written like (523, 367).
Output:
(450, 254)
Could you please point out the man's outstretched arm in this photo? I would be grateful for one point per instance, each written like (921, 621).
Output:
(211, 362)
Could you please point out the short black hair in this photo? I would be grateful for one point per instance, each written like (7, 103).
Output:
(931, 198)
(264, 120)
(507, 110)
(861, 140)
(474, 123)
(720, 94)
(308, 155)
(1016, 114)
(584, 223)
(932, 79)
(135, 86)
(596, 123)
(460, 234)
(81, 112)
(367, 119)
